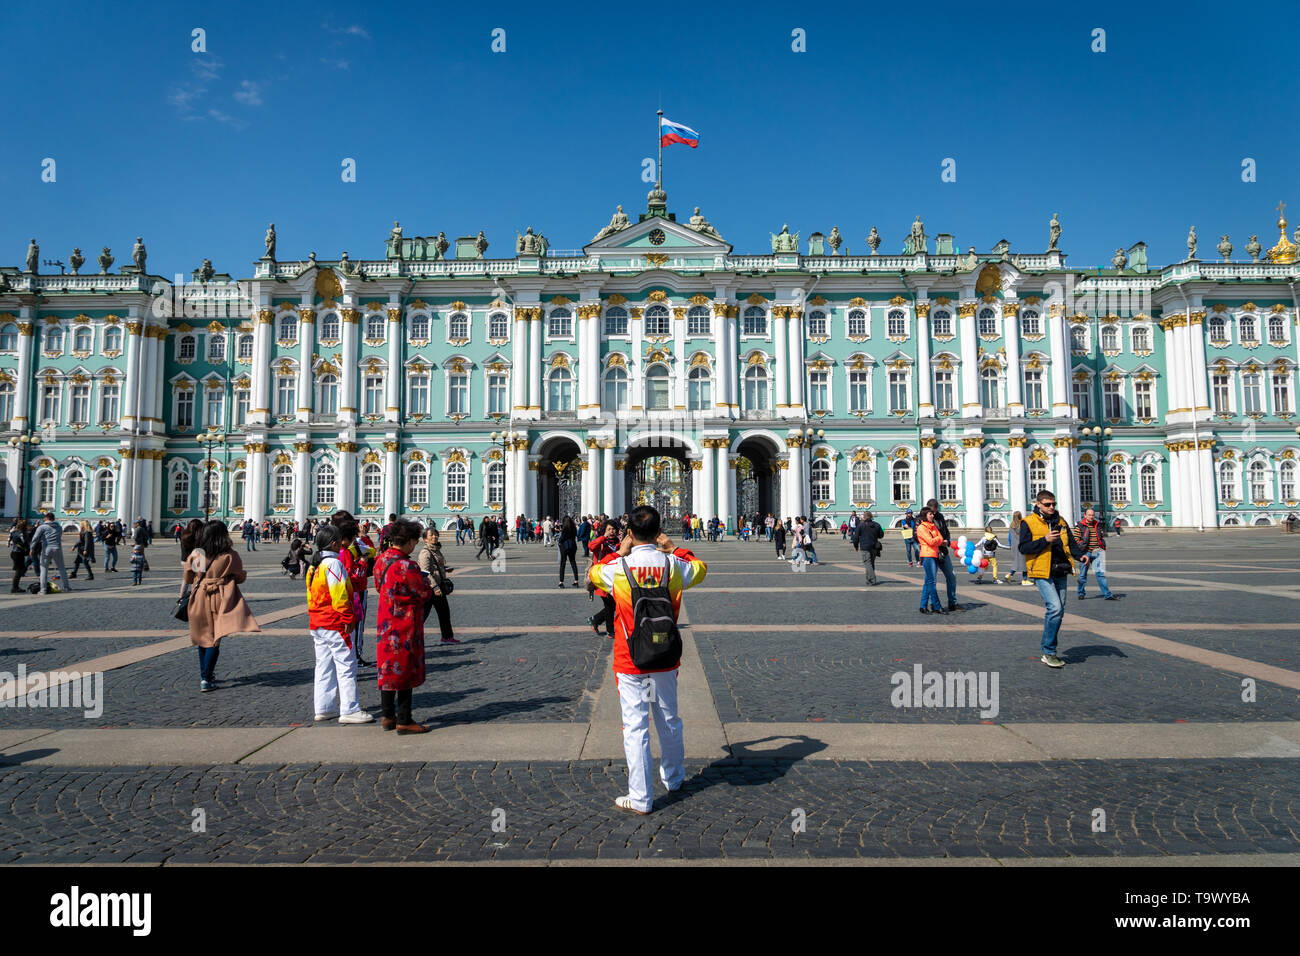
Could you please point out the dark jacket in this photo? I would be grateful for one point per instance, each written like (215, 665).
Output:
(941, 523)
(1091, 536)
(867, 535)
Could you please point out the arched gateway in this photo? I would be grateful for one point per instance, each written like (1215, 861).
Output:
(559, 479)
(660, 475)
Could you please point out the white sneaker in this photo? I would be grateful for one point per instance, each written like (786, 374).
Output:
(1026, 583)
(360, 717)
(625, 803)
(330, 715)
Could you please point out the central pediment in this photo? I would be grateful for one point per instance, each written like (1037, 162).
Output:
(659, 234)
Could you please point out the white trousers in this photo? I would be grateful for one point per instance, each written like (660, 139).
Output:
(336, 673)
(639, 695)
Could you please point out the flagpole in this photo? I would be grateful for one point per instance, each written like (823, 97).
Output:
(659, 138)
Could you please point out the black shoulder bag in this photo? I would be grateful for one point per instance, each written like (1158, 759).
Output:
(654, 643)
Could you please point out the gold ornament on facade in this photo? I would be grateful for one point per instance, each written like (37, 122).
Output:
(948, 454)
(282, 459)
(966, 310)
(898, 300)
(756, 359)
(657, 259)
(1039, 454)
(455, 456)
(923, 310)
(1017, 441)
(370, 458)
(972, 441)
(351, 316)
(756, 299)
(265, 316)
(347, 447)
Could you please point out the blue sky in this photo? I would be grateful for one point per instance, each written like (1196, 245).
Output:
(198, 152)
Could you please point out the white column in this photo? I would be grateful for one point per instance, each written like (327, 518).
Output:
(797, 483)
(347, 476)
(535, 362)
(705, 505)
(607, 477)
(393, 479)
(679, 366)
(924, 480)
(695, 469)
(795, 367)
(781, 334)
(1066, 482)
(1200, 398)
(1203, 459)
(255, 487)
(1059, 347)
(591, 479)
(396, 374)
(727, 471)
(260, 414)
(519, 497)
(306, 349)
(530, 490)
(974, 483)
(144, 483)
(925, 374)
(13, 462)
(349, 393)
(1018, 479)
(301, 481)
(1011, 332)
(519, 367)
(23, 384)
(721, 362)
(968, 341)
(125, 488)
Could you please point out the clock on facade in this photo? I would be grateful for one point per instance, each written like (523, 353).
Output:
(657, 237)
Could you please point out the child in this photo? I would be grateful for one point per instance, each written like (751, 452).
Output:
(138, 565)
(330, 618)
(988, 549)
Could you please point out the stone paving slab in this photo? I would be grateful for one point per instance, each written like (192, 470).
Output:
(43, 654)
(368, 743)
(134, 748)
(726, 810)
(1265, 643)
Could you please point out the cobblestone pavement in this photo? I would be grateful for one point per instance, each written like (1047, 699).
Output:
(775, 646)
(433, 812)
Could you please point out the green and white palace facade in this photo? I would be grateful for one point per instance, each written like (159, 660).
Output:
(657, 365)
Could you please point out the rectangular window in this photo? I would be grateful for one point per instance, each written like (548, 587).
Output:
(419, 402)
(185, 408)
(858, 324)
(49, 404)
(898, 392)
(497, 394)
(897, 325)
(110, 403)
(286, 396)
(1087, 484)
(859, 394)
(458, 394)
(1081, 394)
(941, 324)
(560, 324)
(1282, 393)
(943, 392)
(1221, 394)
(80, 411)
(819, 391)
(616, 322)
(242, 398)
(1034, 390)
(1112, 400)
(755, 322)
(698, 321)
(214, 408)
(1142, 405)
(374, 395)
(1252, 400)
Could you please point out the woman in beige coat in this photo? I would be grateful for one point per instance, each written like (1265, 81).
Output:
(216, 607)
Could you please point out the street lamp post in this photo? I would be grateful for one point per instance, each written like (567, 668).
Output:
(809, 434)
(503, 440)
(28, 439)
(1097, 433)
(209, 438)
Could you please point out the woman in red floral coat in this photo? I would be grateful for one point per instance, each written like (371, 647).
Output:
(399, 638)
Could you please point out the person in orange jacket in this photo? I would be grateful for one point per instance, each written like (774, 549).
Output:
(930, 539)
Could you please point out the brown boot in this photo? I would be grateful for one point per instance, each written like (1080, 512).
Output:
(403, 729)
(388, 723)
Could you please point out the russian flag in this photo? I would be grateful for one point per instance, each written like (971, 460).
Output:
(670, 132)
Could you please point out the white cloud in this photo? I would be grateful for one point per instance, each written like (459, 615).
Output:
(353, 30)
(249, 93)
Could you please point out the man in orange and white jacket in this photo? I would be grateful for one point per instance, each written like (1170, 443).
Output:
(650, 556)
(331, 618)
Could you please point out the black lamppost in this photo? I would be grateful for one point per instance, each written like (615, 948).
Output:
(28, 439)
(503, 440)
(209, 438)
(1097, 433)
(809, 435)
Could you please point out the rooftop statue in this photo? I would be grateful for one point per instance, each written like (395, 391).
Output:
(480, 243)
(784, 242)
(1054, 232)
(395, 237)
(617, 222)
(835, 240)
(701, 225)
(33, 257)
(105, 261)
(529, 244)
(1119, 260)
(873, 240)
(1253, 248)
(442, 244)
(138, 255)
(76, 260)
(1224, 247)
(1191, 243)
(270, 242)
(206, 272)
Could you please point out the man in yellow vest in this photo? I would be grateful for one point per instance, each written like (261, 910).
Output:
(1050, 549)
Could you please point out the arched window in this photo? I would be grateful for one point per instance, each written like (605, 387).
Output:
(216, 347)
(498, 326)
(755, 321)
(896, 324)
(105, 490)
(559, 324)
(947, 481)
(1141, 339)
(112, 339)
(330, 328)
(372, 485)
(1147, 485)
(699, 389)
(616, 321)
(211, 482)
(559, 390)
(1037, 477)
(45, 490)
(180, 490)
(238, 489)
(988, 322)
(458, 326)
(325, 496)
(755, 389)
(699, 321)
(1218, 327)
(1246, 328)
(656, 388)
(616, 389)
(6, 404)
(1259, 481)
(901, 473)
(83, 340)
(496, 483)
(858, 323)
(185, 347)
(990, 392)
(1079, 338)
(1286, 478)
(457, 484)
(817, 323)
(656, 320)
(327, 402)
(1087, 484)
(1276, 328)
(284, 486)
(288, 328)
(419, 326)
(1031, 323)
(74, 490)
(1117, 483)
(995, 484)
(1228, 481)
(861, 483)
(417, 484)
(821, 480)
(1110, 338)
(244, 350)
(941, 323)
(9, 338)
(375, 322)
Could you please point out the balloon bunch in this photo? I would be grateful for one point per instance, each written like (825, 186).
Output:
(967, 550)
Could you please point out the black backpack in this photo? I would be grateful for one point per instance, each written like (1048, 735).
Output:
(654, 642)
